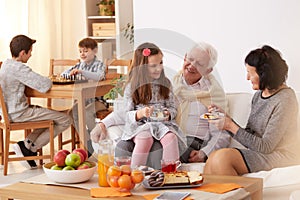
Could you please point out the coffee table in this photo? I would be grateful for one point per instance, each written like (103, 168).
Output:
(29, 191)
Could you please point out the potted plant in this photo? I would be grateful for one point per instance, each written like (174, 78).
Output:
(117, 90)
(129, 32)
(106, 7)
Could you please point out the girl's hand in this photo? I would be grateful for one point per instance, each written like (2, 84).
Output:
(144, 112)
(167, 114)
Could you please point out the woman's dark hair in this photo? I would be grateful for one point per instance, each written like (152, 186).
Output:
(20, 43)
(270, 67)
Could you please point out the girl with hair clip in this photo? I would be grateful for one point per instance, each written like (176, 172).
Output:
(148, 87)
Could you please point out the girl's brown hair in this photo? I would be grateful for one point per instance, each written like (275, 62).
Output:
(139, 79)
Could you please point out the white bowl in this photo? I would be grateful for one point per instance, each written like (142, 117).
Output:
(69, 176)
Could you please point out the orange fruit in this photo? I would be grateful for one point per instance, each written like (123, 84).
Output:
(113, 181)
(114, 171)
(126, 169)
(124, 182)
(137, 176)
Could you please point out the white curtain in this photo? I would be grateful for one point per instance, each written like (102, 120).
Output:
(13, 21)
(57, 25)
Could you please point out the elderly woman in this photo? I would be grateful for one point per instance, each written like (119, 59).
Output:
(270, 136)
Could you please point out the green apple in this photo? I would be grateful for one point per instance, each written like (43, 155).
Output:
(68, 168)
(73, 160)
(83, 166)
(88, 164)
(55, 167)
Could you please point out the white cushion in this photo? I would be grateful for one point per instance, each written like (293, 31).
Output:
(278, 176)
(295, 195)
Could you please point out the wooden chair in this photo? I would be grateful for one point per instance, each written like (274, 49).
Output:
(58, 66)
(114, 69)
(8, 126)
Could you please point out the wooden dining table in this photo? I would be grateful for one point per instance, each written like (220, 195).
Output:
(79, 92)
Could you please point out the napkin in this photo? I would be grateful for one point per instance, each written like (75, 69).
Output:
(219, 188)
(107, 192)
(152, 196)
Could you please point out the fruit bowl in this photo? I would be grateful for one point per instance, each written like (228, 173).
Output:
(69, 176)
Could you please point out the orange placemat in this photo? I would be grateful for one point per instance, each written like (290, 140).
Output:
(219, 188)
(107, 192)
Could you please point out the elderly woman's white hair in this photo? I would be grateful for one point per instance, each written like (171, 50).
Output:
(212, 52)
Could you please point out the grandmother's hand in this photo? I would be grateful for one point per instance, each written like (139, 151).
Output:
(225, 123)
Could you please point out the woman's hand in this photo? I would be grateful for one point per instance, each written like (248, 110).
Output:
(215, 109)
(225, 123)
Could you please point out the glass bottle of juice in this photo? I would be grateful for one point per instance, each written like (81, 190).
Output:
(105, 160)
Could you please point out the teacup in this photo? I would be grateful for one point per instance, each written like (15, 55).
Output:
(170, 165)
(122, 160)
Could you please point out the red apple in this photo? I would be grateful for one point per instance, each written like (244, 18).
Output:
(73, 160)
(59, 158)
(66, 151)
(82, 166)
(82, 151)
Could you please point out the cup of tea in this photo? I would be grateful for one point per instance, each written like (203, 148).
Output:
(122, 160)
(170, 165)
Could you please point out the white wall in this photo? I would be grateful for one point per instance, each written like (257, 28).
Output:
(234, 27)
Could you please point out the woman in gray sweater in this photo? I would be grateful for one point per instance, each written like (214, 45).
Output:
(270, 136)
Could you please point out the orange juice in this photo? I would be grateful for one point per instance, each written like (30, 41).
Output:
(104, 162)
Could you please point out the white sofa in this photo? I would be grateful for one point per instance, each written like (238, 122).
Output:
(279, 183)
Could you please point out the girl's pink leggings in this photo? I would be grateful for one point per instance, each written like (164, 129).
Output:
(143, 143)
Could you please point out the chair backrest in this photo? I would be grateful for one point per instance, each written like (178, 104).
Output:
(57, 66)
(4, 113)
(115, 68)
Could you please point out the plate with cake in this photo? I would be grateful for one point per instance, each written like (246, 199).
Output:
(211, 116)
(179, 179)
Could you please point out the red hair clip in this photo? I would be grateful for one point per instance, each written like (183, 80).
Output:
(146, 52)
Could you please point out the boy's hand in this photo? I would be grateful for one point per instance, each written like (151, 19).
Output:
(75, 71)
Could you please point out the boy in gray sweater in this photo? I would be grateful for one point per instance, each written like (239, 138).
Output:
(14, 77)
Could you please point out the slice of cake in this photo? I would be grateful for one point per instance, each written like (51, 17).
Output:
(195, 177)
(159, 178)
(177, 178)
